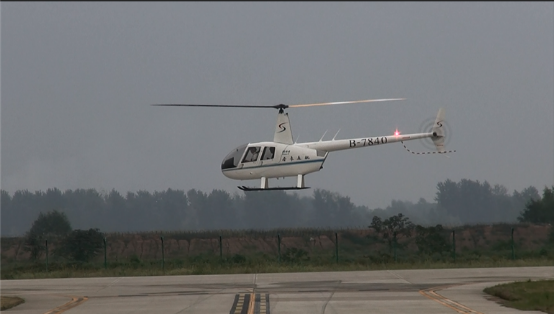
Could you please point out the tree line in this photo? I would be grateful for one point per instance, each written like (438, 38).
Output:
(463, 202)
(82, 245)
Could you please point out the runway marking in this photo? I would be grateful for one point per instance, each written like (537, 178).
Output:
(69, 305)
(433, 295)
(250, 303)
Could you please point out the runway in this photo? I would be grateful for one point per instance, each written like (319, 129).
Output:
(390, 291)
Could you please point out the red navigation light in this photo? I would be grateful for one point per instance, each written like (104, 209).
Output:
(396, 133)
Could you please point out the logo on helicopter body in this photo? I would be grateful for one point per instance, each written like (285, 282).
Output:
(283, 129)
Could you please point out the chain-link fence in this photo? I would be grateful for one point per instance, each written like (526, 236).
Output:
(316, 247)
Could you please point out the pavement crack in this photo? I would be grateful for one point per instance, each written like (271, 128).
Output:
(110, 284)
(330, 296)
(399, 277)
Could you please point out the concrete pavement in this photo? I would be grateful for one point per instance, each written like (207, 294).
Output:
(391, 291)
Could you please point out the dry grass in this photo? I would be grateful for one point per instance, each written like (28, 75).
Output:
(9, 302)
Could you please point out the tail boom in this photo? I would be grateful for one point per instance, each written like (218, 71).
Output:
(437, 135)
(336, 145)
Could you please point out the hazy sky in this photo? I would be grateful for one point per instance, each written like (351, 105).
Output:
(78, 78)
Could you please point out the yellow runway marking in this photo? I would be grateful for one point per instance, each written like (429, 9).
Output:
(69, 305)
(250, 303)
(433, 295)
(240, 304)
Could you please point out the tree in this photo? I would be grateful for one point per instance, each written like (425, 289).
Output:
(541, 210)
(85, 208)
(377, 224)
(333, 209)
(198, 204)
(392, 227)
(224, 212)
(431, 240)
(82, 245)
(52, 224)
(8, 223)
(475, 202)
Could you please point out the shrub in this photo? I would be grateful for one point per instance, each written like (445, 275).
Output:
(295, 255)
(82, 245)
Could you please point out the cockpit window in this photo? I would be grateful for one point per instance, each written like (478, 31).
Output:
(252, 154)
(232, 159)
(268, 154)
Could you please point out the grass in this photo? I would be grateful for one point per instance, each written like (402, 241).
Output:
(358, 251)
(9, 302)
(245, 265)
(527, 296)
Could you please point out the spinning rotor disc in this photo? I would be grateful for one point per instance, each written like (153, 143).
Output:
(282, 106)
(427, 127)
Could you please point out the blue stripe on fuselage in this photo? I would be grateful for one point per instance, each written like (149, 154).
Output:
(284, 163)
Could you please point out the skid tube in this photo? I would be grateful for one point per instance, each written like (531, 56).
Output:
(245, 188)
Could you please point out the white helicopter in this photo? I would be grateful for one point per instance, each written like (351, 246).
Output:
(284, 158)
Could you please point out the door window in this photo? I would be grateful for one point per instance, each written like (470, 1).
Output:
(252, 154)
(269, 153)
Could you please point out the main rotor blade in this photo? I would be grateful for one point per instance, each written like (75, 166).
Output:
(343, 102)
(230, 106)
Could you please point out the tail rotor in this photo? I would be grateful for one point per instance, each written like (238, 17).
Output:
(442, 135)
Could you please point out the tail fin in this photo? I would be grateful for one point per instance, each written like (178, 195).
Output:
(438, 131)
(283, 133)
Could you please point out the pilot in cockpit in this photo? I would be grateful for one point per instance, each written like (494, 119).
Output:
(255, 152)
(252, 154)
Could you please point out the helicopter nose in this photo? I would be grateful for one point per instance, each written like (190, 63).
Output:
(225, 173)
(231, 174)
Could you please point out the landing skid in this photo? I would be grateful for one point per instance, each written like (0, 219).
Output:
(245, 188)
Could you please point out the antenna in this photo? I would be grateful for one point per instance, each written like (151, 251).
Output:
(297, 138)
(336, 134)
(323, 135)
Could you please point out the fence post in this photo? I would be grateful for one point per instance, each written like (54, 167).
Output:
(394, 246)
(337, 247)
(279, 246)
(513, 254)
(220, 249)
(105, 257)
(454, 245)
(163, 256)
(46, 241)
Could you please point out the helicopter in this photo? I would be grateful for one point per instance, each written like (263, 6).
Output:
(283, 157)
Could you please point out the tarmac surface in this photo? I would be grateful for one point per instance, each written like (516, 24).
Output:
(390, 291)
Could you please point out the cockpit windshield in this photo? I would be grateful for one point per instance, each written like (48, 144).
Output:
(233, 158)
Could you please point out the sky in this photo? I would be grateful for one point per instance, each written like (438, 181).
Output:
(78, 80)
